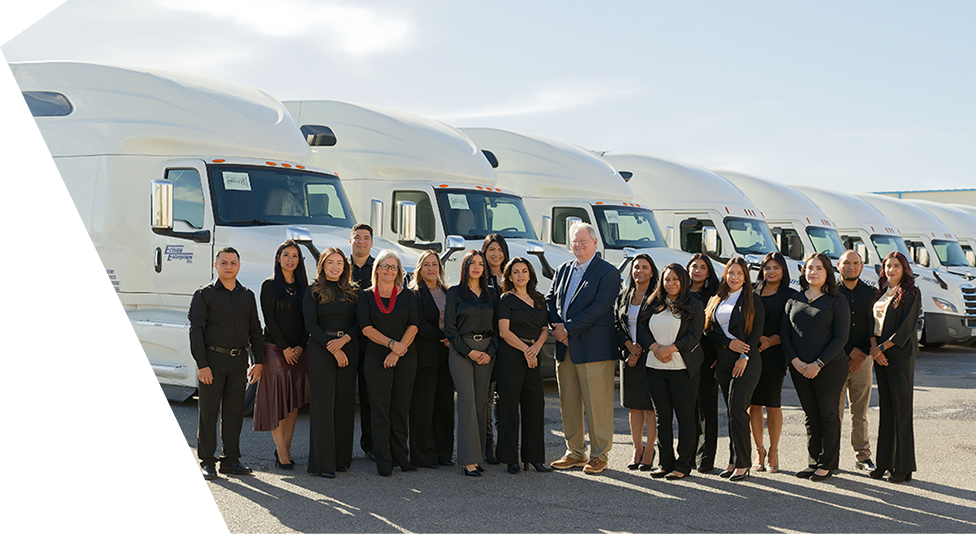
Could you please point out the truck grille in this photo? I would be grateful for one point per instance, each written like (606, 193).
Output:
(969, 299)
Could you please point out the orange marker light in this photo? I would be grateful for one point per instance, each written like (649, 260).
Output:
(219, 160)
(269, 163)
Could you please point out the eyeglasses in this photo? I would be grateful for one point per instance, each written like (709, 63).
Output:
(388, 267)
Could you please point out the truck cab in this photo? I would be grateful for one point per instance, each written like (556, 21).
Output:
(561, 182)
(699, 209)
(799, 226)
(386, 159)
(963, 228)
(967, 240)
(865, 229)
(931, 242)
(164, 169)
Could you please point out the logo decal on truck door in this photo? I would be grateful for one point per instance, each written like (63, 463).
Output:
(175, 253)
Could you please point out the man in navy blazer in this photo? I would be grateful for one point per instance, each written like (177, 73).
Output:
(580, 303)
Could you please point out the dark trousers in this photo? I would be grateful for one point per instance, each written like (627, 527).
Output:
(389, 401)
(706, 417)
(432, 415)
(820, 399)
(738, 394)
(519, 389)
(896, 435)
(332, 407)
(365, 419)
(222, 399)
(673, 391)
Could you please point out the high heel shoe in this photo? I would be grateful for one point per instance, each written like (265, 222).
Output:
(479, 468)
(644, 467)
(739, 477)
(636, 464)
(513, 469)
(769, 459)
(727, 473)
(283, 466)
(899, 477)
(760, 465)
(821, 477)
(467, 472)
(539, 467)
(877, 473)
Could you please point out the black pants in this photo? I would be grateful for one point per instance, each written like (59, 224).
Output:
(223, 399)
(332, 407)
(738, 394)
(432, 414)
(820, 399)
(896, 435)
(389, 401)
(673, 391)
(519, 389)
(365, 420)
(706, 416)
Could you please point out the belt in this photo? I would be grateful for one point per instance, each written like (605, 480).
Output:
(337, 334)
(527, 341)
(478, 337)
(233, 352)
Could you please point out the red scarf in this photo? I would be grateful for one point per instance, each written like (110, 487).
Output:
(379, 302)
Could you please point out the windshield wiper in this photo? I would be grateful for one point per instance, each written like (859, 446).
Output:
(254, 222)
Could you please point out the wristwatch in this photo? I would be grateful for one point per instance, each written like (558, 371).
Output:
(743, 356)
(819, 363)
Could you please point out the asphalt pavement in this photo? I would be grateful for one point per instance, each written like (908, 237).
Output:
(940, 499)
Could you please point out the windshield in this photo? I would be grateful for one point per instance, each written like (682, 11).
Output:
(826, 241)
(886, 244)
(254, 195)
(476, 214)
(623, 226)
(950, 253)
(750, 236)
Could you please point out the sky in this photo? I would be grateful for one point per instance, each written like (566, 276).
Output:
(861, 96)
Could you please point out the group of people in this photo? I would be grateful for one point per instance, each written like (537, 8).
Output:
(679, 335)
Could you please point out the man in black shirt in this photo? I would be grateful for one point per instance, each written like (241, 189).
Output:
(223, 322)
(857, 388)
(361, 242)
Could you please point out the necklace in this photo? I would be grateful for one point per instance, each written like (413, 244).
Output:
(379, 301)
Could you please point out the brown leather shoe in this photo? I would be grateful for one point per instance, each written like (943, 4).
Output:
(595, 466)
(566, 462)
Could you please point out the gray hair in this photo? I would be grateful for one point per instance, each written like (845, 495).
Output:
(590, 229)
(382, 257)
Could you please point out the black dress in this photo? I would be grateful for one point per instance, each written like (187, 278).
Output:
(390, 389)
(769, 391)
(282, 387)
(332, 410)
(520, 387)
(814, 331)
(633, 379)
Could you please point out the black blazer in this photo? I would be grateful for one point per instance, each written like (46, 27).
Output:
(688, 340)
(621, 314)
(737, 327)
(900, 325)
(430, 351)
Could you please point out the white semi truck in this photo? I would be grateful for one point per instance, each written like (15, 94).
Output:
(386, 158)
(962, 226)
(165, 168)
(865, 229)
(799, 226)
(932, 243)
(560, 181)
(699, 209)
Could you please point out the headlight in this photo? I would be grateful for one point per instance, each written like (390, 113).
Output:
(944, 305)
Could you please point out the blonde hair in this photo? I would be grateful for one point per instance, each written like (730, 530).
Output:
(416, 280)
(381, 258)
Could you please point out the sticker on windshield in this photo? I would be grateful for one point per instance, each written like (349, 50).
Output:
(458, 202)
(237, 181)
(612, 216)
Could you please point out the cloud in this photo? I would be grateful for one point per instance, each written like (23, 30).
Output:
(564, 96)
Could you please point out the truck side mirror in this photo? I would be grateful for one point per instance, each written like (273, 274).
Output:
(570, 221)
(862, 251)
(407, 224)
(304, 238)
(546, 229)
(534, 247)
(376, 217)
(670, 236)
(162, 205)
(921, 256)
(710, 240)
(454, 244)
(796, 248)
(318, 135)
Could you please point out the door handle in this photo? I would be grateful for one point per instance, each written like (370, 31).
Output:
(159, 260)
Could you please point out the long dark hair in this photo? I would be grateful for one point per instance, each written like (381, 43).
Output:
(905, 287)
(531, 288)
(279, 288)
(830, 284)
(682, 305)
(632, 286)
(495, 237)
(781, 261)
(322, 293)
(748, 310)
(465, 273)
(712, 281)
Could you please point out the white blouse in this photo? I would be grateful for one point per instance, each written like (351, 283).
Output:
(724, 312)
(632, 321)
(881, 308)
(664, 326)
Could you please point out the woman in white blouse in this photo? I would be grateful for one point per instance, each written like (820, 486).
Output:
(672, 338)
(734, 321)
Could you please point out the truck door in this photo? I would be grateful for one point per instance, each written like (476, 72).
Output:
(183, 264)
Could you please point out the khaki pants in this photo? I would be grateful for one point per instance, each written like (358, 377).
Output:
(857, 388)
(586, 390)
